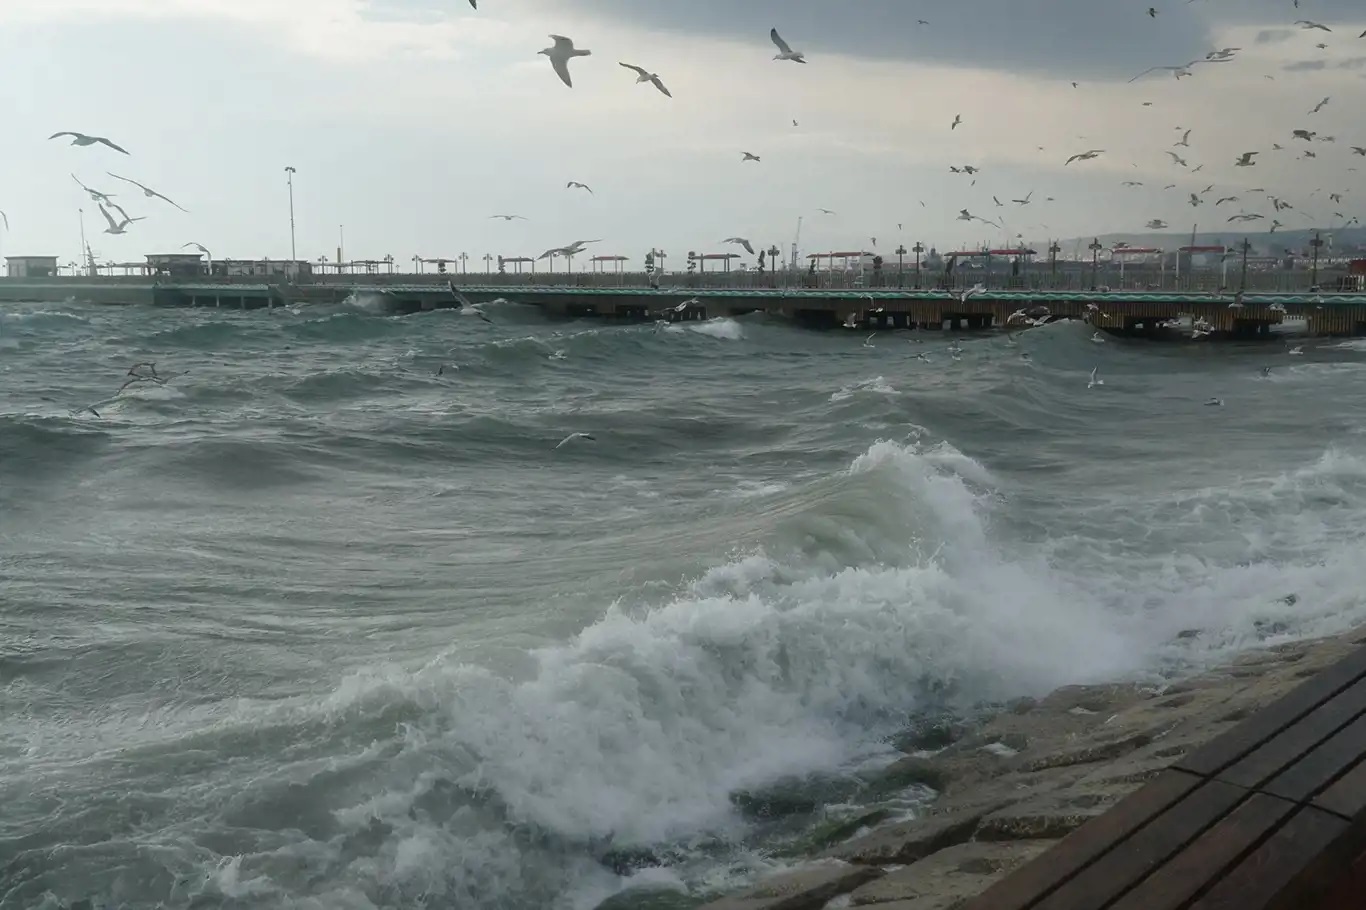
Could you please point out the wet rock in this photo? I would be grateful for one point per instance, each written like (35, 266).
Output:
(802, 889)
(1050, 817)
(626, 860)
(1188, 634)
(649, 899)
(911, 771)
(930, 734)
(906, 842)
(1095, 699)
(794, 796)
(1022, 705)
(948, 876)
(1089, 753)
(837, 830)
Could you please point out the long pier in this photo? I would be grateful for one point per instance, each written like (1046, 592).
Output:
(1120, 312)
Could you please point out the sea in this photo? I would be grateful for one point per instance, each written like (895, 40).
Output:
(329, 618)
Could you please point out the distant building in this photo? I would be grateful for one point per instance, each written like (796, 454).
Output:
(176, 265)
(31, 266)
(289, 269)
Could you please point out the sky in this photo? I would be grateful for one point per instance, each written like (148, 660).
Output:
(410, 122)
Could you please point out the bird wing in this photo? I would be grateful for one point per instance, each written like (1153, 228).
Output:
(640, 70)
(6, 217)
(659, 84)
(745, 243)
(112, 145)
(778, 40)
(115, 205)
(66, 133)
(109, 218)
(126, 180)
(560, 63)
(562, 43)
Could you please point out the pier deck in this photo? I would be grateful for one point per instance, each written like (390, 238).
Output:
(1269, 816)
(1120, 312)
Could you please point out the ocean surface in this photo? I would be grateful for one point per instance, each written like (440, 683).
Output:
(328, 621)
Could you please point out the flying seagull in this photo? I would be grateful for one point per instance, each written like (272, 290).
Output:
(1307, 24)
(6, 219)
(1156, 224)
(784, 51)
(1306, 135)
(1185, 140)
(514, 217)
(83, 139)
(742, 241)
(147, 191)
(644, 75)
(1025, 200)
(466, 308)
(1095, 380)
(572, 436)
(1245, 218)
(1178, 159)
(575, 185)
(825, 211)
(1359, 150)
(1321, 105)
(1246, 160)
(203, 249)
(559, 56)
(95, 195)
(957, 119)
(748, 157)
(1084, 156)
(116, 227)
(1177, 71)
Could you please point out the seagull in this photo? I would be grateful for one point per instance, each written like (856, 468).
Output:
(95, 195)
(742, 241)
(1246, 160)
(957, 119)
(1320, 106)
(83, 139)
(147, 191)
(513, 217)
(784, 51)
(572, 436)
(1095, 380)
(117, 227)
(1226, 199)
(575, 185)
(1359, 150)
(1156, 224)
(559, 56)
(467, 308)
(1178, 71)
(6, 219)
(1215, 403)
(1084, 156)
(1185, 140)
(971, 292)
(1132, 183)
(199, 246)
(1152, 12)
(1307, 24)
(1025, 200)
(825, 211)
(1306, 135)
(1178, 159)
(868, 342)
(748, 157)
(644, 75)
(1296, 351)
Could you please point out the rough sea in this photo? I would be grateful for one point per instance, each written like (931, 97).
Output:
(327, 621)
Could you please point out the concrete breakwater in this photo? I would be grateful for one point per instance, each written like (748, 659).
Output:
(1011, 786)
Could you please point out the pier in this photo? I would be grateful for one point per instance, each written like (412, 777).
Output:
(1121, 312)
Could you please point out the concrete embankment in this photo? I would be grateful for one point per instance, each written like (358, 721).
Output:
(1010, 787)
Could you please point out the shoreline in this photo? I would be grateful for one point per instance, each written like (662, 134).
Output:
(1011, 786)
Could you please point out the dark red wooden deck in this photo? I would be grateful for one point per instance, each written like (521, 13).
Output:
(1269, 816)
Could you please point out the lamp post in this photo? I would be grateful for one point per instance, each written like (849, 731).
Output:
(1246, 247)
(900, 258)
(463, 257)
(1095, 247)
(289, 178)
(917, 249)
(1315, 244)
(488, 263)
(773, 264)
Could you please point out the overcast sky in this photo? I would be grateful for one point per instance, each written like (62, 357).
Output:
(412, 121)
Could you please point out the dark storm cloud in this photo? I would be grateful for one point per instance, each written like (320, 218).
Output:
(1067, 39)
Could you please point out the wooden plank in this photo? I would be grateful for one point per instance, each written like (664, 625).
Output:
(1287, 747)
(1227, 748)
(1118, 871)
(1278, 873)
(1323, 765)
(1024, 887)
(1191, 871)
(1347, 795)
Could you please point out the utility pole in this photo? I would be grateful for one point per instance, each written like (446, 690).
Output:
(293, 251)
(1095, 247)
(1246, 247)
(85, 247)
(1315, 244)
(918, 249)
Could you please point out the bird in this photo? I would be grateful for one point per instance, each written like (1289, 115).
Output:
(1156, 224)
(1178, 159)
(868, 342)
(749, 156)
(1245, 217)
(1306, 135)
(575, 185)
(5, 217)
(515, 217)
(1177, 71)
(82, 139)
(1152, 12)
(572, 436)
(644, 75)
(742, 242)
(1185, 140)
(1224, 199)
(825, 211)
(467, 308)
(95, 195)
(957, 119)
(147, 191)
(560, 55)
(116, 227)
(1084, 156)
(1025, 200)
(1215, 403)
(1246, 160)
(199, 246)
(784, 51)
(1307, 24)
(1095, 380)
(1320, 106)
(1359, 150)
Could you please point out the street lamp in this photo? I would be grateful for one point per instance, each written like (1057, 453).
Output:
(1246, 247)
(1315, 244)
(463, 257)
(488, 263)
(1095, 247)
(917, 249)
(900, 256)
(289, 178)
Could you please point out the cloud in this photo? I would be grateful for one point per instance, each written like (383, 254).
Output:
(1274, 35)
(1066, 39)
(1306, 66)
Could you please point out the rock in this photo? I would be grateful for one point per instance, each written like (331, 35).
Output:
(906, 842)
(837, 830)
(1188, 634)
(1051, 816)
(1022, 705)
(800, 889)
(948, 876)
(930, 734)
(910, 771)
(625, 860)
(649, 898)
(1096, 699)
(794, 796)
(1089, 753)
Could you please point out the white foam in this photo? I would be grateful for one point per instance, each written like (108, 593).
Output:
(877, 385)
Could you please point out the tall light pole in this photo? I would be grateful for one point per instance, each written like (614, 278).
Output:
(463, 257)
(900, 255)
(1315, 244)
(293, 252)
(85, 249)
(488, 263)
(918, 249)
(1095, 246)
(1246, 247)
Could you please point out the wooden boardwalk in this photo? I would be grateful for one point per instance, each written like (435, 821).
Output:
(1269, 816)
